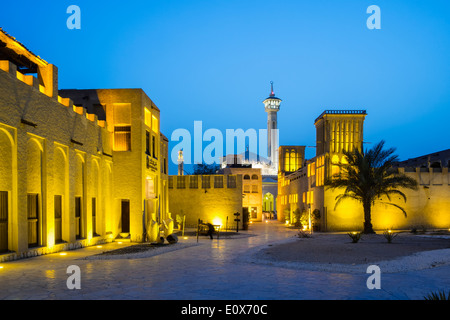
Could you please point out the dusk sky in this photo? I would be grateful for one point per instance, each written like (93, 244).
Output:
(213, 61)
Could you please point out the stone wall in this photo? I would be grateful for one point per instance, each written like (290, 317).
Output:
(213, 205)
(51, 148)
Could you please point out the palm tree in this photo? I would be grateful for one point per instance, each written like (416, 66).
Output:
(369, 176)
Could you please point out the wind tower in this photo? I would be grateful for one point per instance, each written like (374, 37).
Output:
(272, 106)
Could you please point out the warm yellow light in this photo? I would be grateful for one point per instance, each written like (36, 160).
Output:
(155, 124)
(99, 247)
(267, 221)
(63, 254)
(1, 267)
(185, 238)
(287, 221)
(305, 227)
(119, 242)
(217, 222)
(148, 118)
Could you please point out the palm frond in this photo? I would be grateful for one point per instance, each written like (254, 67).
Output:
(367, 176)
(345, 196)
(395, 205)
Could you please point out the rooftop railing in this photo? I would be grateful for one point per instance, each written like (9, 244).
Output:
(341, 112)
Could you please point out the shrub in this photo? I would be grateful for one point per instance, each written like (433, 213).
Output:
(304, 234)
(389, 235)
(355, 236)
(297, 216)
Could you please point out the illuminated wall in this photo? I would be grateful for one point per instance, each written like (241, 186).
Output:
(291, 158)
(428, 207)
(212, 198)
(49, 150)
(292, 194)
(252, 190)
(68, 164)
(339, 130)
(336, 131)
(140, 156)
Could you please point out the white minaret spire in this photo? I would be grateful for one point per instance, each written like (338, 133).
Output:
(272, 106)
(180, 163)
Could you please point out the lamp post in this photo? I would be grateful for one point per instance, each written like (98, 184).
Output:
(237, 214)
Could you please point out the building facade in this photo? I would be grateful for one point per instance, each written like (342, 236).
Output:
(252, 189)
(211, 198)
(140, 169)
(69, 168)
(303, 195)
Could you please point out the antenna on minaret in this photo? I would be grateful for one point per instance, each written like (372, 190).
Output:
(272, 94)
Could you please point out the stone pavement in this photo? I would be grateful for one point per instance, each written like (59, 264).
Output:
(212, 270)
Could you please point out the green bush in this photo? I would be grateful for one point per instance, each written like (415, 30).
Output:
(355, 236)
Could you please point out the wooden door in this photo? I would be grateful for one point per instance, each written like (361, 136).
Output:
(125, 216)
(33, 220)
(58, 219)
(94, 216)
(78, 218)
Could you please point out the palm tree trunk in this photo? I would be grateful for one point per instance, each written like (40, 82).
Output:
(367, 218)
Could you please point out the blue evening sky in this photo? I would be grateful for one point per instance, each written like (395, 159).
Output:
(213, 61)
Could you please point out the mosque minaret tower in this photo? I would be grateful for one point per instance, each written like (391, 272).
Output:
(272, 106)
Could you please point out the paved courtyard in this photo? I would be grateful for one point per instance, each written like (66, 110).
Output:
(212, 270)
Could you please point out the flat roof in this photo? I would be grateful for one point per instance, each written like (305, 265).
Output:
(341, 112)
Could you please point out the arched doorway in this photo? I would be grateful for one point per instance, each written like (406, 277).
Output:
(6, 187)
(35, 194)
(268, 205)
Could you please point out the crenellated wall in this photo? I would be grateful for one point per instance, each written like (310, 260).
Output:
(51, 150)
(427, 207)
(211, 203)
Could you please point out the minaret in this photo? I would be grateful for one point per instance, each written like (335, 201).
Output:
(272, 106)
(180, 163)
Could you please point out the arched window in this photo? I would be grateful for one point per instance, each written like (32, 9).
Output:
(254, 177)
(246, 177)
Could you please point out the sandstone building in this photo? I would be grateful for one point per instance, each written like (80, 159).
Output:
(211, 198)
(302, 192)
(78, 167)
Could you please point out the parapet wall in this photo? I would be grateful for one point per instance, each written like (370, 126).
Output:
(34, 82)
